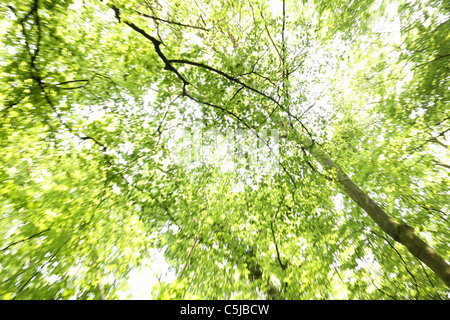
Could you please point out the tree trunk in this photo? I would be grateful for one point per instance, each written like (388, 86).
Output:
(400, 232)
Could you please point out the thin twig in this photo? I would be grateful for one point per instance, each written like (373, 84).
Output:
(189, 255)
(19, 241)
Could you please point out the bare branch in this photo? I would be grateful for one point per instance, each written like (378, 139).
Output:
(171, 22)
(23, 240)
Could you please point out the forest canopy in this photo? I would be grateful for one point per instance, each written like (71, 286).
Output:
(268, 149)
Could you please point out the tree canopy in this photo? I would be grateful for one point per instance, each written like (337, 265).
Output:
(269, 149)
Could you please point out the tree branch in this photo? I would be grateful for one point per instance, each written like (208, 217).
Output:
(401, 258)
(40, 268)
(30, 237)
(189, 255)
(282, 265)
(171, 22)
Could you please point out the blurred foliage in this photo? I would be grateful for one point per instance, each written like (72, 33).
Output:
(90, 112)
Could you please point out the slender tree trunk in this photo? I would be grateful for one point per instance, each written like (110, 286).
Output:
(400, 232)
